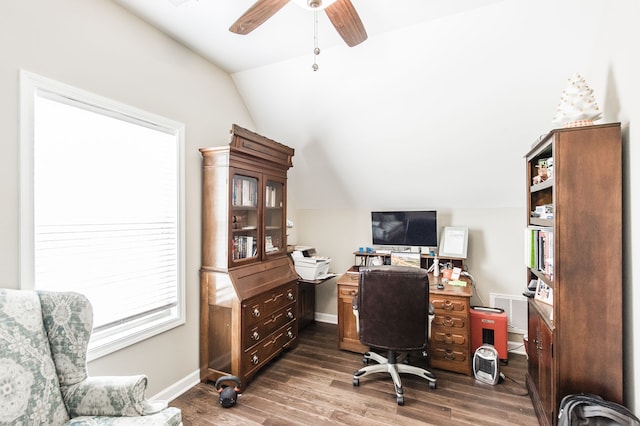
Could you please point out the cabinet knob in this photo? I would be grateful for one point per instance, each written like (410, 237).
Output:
(290, 334)
(448, 321)
(290, 315)
(448, 306)
(256, 312)
(254, 359)
(255, 336)
(290, 296)
(449, 355)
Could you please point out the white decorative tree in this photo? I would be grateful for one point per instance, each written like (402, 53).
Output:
(578, 106)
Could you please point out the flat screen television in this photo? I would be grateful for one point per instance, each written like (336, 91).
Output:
(405, 228)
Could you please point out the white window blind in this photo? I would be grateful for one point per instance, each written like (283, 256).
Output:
(106, 212)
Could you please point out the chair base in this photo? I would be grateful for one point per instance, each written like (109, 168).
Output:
(393, 365)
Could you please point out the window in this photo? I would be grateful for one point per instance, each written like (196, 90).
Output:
(101, 209)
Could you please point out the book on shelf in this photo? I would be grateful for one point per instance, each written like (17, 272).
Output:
(244, 192)
(244, 246)
(270, 196)
(268, 244)
(538, 249)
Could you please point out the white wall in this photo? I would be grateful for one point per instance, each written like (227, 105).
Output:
(97, 46)
(337, 233)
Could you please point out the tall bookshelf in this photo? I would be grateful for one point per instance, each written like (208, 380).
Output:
(575, 318)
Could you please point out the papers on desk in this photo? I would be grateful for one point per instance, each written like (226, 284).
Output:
(459, 283)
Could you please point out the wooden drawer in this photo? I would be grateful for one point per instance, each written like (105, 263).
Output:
(451, 358)
(449, 336)
(255, 357)
(452, 304)
(347, 291)
(256, 308)
(450, 321)
(267, 324)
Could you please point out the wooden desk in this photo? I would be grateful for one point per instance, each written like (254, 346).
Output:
(348, 338)
(450, 345)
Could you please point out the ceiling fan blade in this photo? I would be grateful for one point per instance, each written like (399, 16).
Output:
(344, 17)
(256, 15)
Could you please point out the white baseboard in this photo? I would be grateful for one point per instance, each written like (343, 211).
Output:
(328, 318)
(516, 347)
(178, 388)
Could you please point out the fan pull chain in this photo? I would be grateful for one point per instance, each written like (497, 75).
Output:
(316, 49)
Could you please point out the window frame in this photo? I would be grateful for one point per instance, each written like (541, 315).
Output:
(119, 336)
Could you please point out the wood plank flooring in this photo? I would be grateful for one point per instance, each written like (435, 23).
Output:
(312, 385)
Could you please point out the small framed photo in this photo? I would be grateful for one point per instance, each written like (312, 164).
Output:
(544, 293)
(453, 242)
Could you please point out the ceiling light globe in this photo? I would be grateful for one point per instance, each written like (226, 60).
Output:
(314, 4)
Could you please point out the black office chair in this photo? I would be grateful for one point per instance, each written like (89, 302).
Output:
(394, 313)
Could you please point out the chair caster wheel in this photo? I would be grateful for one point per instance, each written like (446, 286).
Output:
(400, 400)
(432, 385)
(356, 382)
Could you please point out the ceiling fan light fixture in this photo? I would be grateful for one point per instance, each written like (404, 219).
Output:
(314, 4)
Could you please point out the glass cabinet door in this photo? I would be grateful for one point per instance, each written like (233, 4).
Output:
(244, 217)
(274, 217)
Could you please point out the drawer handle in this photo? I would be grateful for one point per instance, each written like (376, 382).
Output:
(273, 318)
(254, 359)
(449, 339)
(290, 315)
(256, 313)
(255, 336)
(290, 334)
(449, 355)
(289, 295)
(448, 306)
(353, 292)
(273, 341)
(448, 321)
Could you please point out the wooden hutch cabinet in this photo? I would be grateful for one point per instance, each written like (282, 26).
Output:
(248, 286)
(574, 251)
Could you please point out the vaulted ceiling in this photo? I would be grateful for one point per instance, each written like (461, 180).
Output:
(203, 25)
(435, 109)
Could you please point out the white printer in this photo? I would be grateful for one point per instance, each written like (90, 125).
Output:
(308, 265)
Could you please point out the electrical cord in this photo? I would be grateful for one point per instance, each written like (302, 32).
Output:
(473, 286)
(521, 390)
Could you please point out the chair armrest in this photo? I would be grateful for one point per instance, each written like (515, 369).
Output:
(110, 396)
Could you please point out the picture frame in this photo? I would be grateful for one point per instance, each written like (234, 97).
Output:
(544, 293)
(411, 259)
(453, 242)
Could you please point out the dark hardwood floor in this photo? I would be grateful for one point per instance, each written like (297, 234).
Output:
(312, 385)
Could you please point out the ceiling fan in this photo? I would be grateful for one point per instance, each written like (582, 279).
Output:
(341, 13)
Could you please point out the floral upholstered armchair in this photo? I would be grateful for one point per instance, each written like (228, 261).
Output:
(43, 372)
